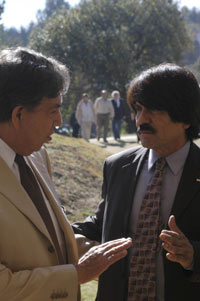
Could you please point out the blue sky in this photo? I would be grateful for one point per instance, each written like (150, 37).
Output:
(19, 13)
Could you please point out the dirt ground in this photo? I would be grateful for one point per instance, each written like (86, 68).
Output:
(114, 146)
(117, 146)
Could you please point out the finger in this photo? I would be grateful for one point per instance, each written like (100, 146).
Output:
(172, 234)
(178, 250)
(118, 248)
(172, 225)
(175, 257)
(116, 244)
(117, 241)
(111, 247)
(115, 257)
(172, 238)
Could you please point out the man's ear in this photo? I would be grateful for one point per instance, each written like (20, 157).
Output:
(187, 126)
(16, 116)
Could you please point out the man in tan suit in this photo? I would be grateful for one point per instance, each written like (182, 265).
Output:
(34, 264)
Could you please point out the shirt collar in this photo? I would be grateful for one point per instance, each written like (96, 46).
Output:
(7, 153)
(175, 161)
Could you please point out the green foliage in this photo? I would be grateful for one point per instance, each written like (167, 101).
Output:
(51, 6)
(191, 16)
(11, 37)
(2, 3)
(195, 68)
(106, 42)
(192, 20)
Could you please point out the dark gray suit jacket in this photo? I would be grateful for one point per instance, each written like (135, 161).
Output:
(112, 218)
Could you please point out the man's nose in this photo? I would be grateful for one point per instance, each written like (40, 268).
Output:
(58, 120)
(142, 117)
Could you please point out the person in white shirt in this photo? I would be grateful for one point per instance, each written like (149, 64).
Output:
(85, 116)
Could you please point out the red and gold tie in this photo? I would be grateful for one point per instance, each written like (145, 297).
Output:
(142, 279)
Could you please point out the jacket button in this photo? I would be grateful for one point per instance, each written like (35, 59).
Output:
(51, 249)
(59, 295)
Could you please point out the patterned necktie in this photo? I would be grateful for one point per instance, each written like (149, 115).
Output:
(31, 186)
(142, 279)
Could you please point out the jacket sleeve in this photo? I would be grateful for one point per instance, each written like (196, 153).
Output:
(112, 112)
(56, 282)
(91, 227)
(78, 113)
(96, 106)
(194, 275)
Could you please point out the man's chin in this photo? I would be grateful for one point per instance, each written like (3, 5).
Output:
(146, 142)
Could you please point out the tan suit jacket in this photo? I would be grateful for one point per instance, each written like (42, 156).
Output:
(29, 267)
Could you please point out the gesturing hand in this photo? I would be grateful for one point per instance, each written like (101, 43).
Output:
(99, 258)
(177, 245)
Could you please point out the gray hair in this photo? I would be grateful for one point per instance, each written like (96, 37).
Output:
(115, 92)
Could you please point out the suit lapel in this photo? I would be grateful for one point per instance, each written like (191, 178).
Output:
(47, 185)
(130, 174)
(189, 184)
(14, 192)
(131, 170)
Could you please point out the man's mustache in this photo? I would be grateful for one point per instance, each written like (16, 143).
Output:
(146, 127)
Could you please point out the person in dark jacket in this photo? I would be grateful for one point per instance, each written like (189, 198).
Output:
(166, 103)
(119, 109)
(75, 126)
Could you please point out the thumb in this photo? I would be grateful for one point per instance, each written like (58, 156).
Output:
(172, 224)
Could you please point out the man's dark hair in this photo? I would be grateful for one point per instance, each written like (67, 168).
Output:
(170, 88)
(26, 77)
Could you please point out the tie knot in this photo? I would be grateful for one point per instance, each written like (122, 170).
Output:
(160, 163)
(19, 159)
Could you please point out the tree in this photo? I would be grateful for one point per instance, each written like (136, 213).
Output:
(106, 42)
(12, 37)
(192, 20)
(50, 7)
(2, 3)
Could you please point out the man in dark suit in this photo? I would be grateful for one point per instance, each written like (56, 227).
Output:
(119, 109)
(166, 103)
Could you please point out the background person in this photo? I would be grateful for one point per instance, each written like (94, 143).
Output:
(38, 251)
(119, 113)
(165, 258)
(85, 116)
(104, 113)
(74, 125)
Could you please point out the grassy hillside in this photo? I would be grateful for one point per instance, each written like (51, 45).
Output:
(77, 174)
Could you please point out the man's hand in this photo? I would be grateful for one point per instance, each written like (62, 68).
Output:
(177, 245)
(99, 258)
